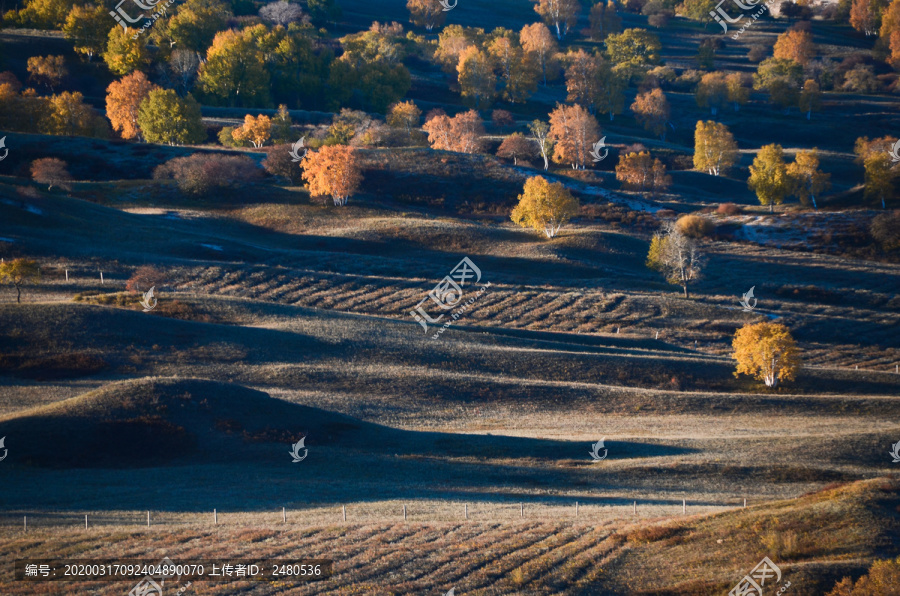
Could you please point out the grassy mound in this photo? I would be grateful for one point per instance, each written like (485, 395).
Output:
(153, 421)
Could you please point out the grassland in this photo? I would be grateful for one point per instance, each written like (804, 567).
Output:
(282, 318)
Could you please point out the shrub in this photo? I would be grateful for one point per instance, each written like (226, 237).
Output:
(695, 226)
(757, 53)
(279, 162)
(652, 534)
(885, 229)
(52, 172)
(729, 209)
(226, 137)
(198, 173)
(144, 278)
(502, 118)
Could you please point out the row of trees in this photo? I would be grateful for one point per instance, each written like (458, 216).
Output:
(510, 65)
(256, 65)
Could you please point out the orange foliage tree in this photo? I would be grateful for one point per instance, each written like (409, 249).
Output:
(537, 40)
(795, 45)
(47, 70)
(52, 172)
(560, 14)
(864, 16)
(463, 133)
(123, 100)
(516, 146)
(652, 110)
(573, 131)
(333, 171)
(639, 171)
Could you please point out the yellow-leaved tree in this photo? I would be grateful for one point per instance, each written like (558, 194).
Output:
(332, 171)
(255, 130)
(545, 206)
(766, 351)
(18, 272)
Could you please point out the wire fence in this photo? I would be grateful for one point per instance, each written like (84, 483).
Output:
(476, 512)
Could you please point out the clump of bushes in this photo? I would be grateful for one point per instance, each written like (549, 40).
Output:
(652, 534)
(695, 226)
(729, 209)
(199, 173)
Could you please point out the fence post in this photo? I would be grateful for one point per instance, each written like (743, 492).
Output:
(101, 278)
(148, 519)
(404, 513)
(635, 507)
(283, 516)
(85, 521)
(657, 335)
(215, 517)
(522, 510)
(344, 510)
(745, 503)
(25, 517)
(467, 510)
(67, 275)
(576, 508)
(683, 506)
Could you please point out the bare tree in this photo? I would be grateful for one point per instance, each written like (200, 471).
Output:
(281, 13)
(676, 256)
(183, 65)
